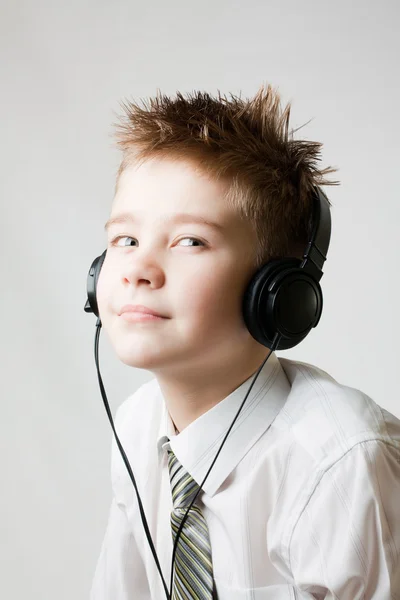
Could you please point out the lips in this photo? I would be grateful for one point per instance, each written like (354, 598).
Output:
(140, 309)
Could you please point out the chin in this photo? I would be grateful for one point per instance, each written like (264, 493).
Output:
(139, 358)
(134, 360)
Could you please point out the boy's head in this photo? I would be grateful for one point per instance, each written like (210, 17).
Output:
(231, 163)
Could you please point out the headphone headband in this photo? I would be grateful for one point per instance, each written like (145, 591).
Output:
(317, 248)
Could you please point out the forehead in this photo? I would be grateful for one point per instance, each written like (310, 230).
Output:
(165, 191)
(171, 186)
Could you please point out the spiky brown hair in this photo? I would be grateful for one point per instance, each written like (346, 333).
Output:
(245, 142)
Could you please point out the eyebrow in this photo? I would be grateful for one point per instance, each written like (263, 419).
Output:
(175, 218)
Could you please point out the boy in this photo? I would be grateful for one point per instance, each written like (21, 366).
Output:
(303, 501)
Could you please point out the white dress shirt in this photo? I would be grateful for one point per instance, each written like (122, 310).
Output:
(303, 501)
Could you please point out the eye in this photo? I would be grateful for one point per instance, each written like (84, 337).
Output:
(193, 240)
(116, 239)
(119, 237)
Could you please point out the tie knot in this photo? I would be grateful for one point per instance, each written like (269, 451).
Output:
(183, 486)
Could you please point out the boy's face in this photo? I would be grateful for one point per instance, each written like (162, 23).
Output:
(199, 288)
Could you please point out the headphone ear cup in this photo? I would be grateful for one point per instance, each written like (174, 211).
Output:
(282, 298)
(92, 278)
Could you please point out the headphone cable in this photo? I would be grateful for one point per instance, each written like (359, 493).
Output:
(142, 513)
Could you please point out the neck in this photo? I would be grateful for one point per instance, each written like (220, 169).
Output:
(187, 399)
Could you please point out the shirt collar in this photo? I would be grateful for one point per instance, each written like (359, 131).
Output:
(196, 446)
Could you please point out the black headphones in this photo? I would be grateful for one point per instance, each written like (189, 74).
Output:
(281, 304)
(284, 296)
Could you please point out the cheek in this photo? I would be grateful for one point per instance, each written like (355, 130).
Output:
(210, 295)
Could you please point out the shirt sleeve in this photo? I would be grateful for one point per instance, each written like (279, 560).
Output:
(346, 542)
(119, 571)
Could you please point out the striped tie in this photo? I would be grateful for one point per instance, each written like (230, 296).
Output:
(193, 572)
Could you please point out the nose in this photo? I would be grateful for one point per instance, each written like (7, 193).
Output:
(143, 269)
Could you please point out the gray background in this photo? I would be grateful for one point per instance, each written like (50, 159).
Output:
(64, 69)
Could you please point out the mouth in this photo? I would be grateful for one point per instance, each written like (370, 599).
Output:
(139, 309)
(137, 317)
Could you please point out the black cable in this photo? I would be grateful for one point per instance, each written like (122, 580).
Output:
(142, 513)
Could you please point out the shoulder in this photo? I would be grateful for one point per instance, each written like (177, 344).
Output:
(342, 449)
(327, 418)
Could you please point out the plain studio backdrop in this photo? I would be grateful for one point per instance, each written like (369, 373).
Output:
(64, 69)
